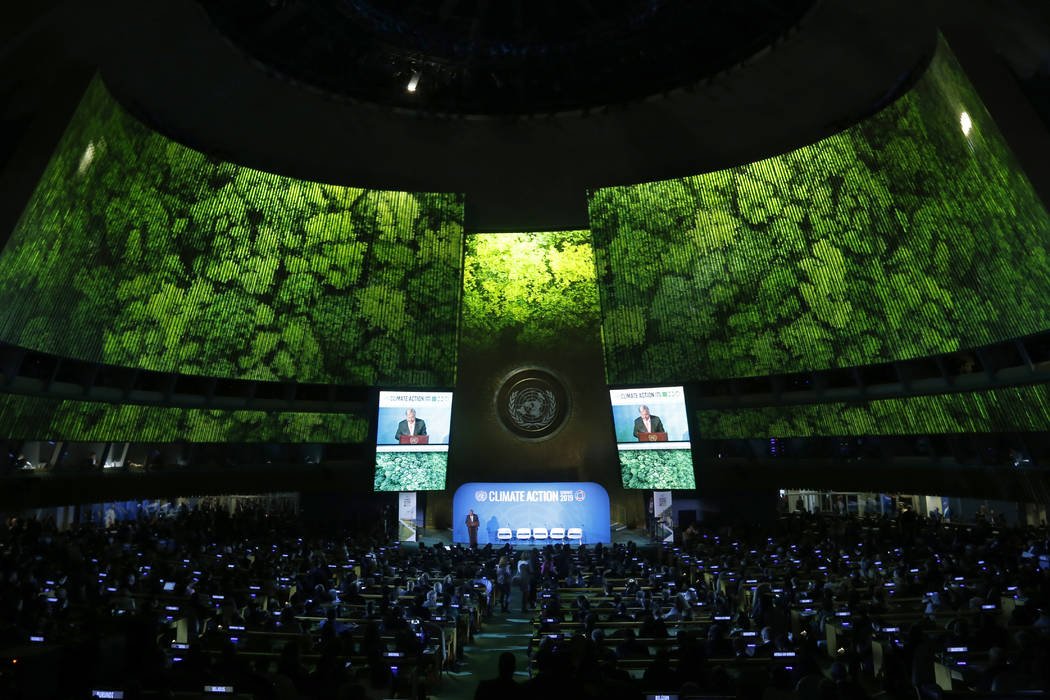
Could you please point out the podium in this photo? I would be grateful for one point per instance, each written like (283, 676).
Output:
(420, 439)
(652, 437)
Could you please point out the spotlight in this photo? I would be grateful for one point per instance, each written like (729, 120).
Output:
(966, 123)
(413, 82)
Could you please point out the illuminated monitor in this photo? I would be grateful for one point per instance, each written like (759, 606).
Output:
(412, 435)
(652, 437)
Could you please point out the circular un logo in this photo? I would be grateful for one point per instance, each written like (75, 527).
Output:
(532, 404)
(580, 495)
(480, 495)
(532, 408)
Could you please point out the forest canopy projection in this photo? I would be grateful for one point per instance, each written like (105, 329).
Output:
(912, 233)
(39, 418)
(137, 251)
(532, 289)
(1006, 410)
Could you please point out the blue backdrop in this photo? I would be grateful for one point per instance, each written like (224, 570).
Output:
(581, 504)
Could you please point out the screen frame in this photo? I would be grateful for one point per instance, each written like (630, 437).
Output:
(371, 440)
(689, 399)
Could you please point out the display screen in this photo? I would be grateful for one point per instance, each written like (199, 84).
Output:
(912, 233)
(412, 437)
(652, 437)
(135, 250)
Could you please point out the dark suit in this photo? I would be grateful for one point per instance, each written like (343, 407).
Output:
(420, 428)
(473, 523)
(654, 421)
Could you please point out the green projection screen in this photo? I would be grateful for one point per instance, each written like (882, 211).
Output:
(532, 289)
(1018, 409)
(35, 418)
(912, 233)
(137, 251)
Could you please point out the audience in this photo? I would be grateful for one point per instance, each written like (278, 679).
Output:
(835, 607)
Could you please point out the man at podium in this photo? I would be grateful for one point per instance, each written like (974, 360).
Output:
(473, 523)
(411, 425)
(645, 423)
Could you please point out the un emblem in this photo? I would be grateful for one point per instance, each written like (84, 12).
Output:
(480, 495)
(532, 408)
(532, 404)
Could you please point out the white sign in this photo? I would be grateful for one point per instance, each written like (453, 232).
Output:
(406, 516)
(664, 516)
(419, 400)
(656, 395)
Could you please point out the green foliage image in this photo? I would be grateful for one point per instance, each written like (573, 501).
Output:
(1008, 410)
(912, 233)
(135, 250)
(410, 471)
(657, 469)
(528, 288)
(36, 418)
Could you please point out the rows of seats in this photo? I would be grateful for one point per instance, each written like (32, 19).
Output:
(815, 606)
(250, 600)
(858, 605)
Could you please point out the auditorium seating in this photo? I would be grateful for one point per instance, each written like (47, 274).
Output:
(920, 607)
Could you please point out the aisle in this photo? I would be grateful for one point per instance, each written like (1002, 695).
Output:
(501, 632)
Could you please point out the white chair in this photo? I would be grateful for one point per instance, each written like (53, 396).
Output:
(557, 533)
(504, 533)
(524, 533)
(575, 533)
(539, 533)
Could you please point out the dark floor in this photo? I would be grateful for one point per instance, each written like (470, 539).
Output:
(501, 632)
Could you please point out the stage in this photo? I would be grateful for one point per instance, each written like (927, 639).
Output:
(620, 535)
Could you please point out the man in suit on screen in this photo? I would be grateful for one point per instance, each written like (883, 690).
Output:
(410, 426)
(646, 423)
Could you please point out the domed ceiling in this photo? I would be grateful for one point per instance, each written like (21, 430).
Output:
(501, 56)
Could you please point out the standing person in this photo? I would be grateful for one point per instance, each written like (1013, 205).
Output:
(473, 523)
(503, 579)
(534, 570)
(410, 426)
(647, 423)
(524, 579)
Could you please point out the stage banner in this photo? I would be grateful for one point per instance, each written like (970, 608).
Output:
(406, 516)
(533, 513)
(664, 516)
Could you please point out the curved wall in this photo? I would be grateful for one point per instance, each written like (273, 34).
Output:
(137, 251)
(34, 418)
(910, 234)
(1015, 409)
